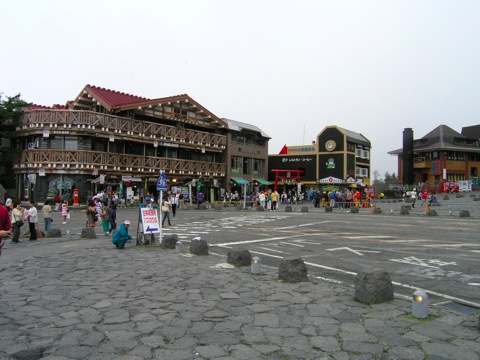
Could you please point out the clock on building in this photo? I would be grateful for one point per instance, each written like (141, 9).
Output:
(330, 145)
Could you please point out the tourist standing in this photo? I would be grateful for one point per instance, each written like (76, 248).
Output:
(32, 220)
(65, 211)
(17, 223)
(47, 215)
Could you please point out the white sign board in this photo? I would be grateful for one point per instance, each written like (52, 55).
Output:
(150, 223)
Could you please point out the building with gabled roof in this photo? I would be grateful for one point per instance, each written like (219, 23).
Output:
(441, 156)
(104, 138)
(337, 158)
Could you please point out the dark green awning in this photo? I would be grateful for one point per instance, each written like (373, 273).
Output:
(262, 181)
(240, 181)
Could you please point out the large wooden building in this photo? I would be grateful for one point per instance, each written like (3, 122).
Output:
(105, 138)
(442, 155)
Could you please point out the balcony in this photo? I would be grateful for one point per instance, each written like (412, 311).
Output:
(104, 125)
(421, 162)
(85, 162)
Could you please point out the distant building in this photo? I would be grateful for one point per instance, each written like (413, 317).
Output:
(338, 158)
(246, 156)
(443, 155)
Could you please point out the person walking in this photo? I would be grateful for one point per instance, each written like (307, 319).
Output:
(181, 202)
(261, 199)
(174, 204)
(166, 211)
(274, 197)
(358, 197)
(413, 196)
(121, 236)
(105, 219)
(17, 223)
(64, 211)
(47, 215)
(57, 200)
(200, 198)
(91, 213)
(112, 218)
(32, 214)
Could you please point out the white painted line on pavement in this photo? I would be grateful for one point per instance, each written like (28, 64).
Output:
(268, 249)
(288, 243)
(255, 241)
(474, 284)
(370, 237)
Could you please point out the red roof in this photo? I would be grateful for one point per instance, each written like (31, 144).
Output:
(38, 107)
(113, 98)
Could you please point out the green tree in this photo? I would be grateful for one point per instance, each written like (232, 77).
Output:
(11, 111)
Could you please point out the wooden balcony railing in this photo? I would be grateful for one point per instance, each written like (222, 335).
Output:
(97, 124)
(84, 162)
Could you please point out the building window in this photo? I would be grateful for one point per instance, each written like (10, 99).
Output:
(350, 147)
(363, 154)
(247, 165)
(71, 143)
(243, 139)
(435, 155)
(363, 172)
(236, 164)
(455, 155)
(257, 166)
(473, 157)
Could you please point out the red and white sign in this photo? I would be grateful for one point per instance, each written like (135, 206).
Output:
(150, 223)
(330, 180)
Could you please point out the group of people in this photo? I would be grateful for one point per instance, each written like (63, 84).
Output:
(13, 217)
(341, 199)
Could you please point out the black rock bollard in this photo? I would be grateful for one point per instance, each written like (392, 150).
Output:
(292, 270)
(54, 233)
(198, 247)
(88, 233)
(240, 257)
(405, 210)
(373, 286)
(169, 241)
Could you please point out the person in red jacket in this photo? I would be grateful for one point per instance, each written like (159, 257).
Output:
(358, 197)
(5, 225)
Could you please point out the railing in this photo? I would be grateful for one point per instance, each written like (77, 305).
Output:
(97, 124)
(86, 161)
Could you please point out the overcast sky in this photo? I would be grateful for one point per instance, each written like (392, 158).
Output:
(288, 67)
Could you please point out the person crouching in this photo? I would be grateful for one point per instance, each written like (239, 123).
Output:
(121, 236)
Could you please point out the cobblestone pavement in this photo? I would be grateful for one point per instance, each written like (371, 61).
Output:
(97, 302)
(64, 299)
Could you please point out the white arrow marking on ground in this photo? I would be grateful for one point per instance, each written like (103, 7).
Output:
(353, 251)
(370, 237)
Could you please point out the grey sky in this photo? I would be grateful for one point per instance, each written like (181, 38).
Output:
(288, 67)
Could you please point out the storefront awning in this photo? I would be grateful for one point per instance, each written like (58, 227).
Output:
(240, 181)
(263, 182)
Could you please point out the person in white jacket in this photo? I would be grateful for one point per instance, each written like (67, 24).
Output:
(32, 220)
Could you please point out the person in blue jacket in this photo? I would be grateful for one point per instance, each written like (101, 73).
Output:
(121, 236)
